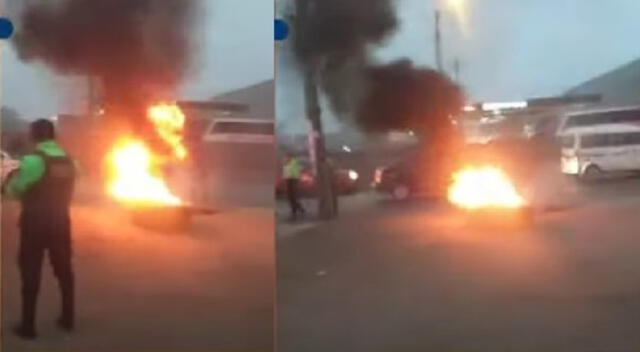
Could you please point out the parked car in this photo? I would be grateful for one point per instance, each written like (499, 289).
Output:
(413, 176)
(346, 180)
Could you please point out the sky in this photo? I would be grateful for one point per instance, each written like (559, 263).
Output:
(508, 49)
(235, 50)
(511, 49)
(516, 49)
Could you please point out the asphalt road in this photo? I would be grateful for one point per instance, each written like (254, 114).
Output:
(210, 288)
(425, 277)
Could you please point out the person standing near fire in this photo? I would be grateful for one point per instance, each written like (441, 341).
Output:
(44, 185)
(292, 171)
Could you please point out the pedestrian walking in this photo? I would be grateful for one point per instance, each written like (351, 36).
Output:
(292, 171)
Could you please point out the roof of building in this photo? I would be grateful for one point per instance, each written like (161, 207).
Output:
(617, 87)
(258, 97)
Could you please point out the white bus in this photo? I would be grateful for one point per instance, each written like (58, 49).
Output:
(621, 115)
(591, 152)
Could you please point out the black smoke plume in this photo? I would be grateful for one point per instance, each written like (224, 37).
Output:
(335, 37)
(340, 28)
(139, 50)
(400, 96)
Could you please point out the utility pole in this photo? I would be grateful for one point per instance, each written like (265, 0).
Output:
(323, 173)
(438, 41)
(456, 71)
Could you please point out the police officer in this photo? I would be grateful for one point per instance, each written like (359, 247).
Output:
(292, 171)
(44, 186)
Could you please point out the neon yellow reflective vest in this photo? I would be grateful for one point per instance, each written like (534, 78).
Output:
(292, 169)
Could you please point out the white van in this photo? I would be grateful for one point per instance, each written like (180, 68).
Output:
(590, 152)
(593, 117)
(240, 130)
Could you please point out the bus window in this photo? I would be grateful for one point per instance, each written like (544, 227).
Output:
(568, 141)
(590, 119)
(593, 141)
(243, 128)
(634, 138)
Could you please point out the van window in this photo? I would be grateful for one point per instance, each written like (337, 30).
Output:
(568, 141)
(634, 138)
(593, 141)
(619, 139)
(624, 116)
(243, 128)
(609, 140)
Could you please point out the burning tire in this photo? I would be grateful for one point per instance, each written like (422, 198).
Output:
(488, 198)
(161, 218)
(519, 218)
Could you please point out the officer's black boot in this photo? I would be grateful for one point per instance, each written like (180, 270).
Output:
(27, 328)
(67, 318)
(66, 323)
(24, 332)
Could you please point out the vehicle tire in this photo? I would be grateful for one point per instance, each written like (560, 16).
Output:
(400, 192)
(592, 173)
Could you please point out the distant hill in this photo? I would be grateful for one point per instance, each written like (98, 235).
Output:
(617, 87)
(259, 97)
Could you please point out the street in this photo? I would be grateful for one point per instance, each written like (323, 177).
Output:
(421, 277)
(209, 288)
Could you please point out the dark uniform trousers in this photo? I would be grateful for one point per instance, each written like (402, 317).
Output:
(293, 196)
(45, 233)
(45, 228)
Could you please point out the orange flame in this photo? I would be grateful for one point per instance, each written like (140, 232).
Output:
(169, 120)
(136, 178)
(484, 187)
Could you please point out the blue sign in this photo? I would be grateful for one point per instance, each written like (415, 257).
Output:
(6, 28)
(281, 30)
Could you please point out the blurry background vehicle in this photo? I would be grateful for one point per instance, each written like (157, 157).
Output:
(593, 117)
(346, 180)
(238, 143)
(240, 130)
(415, 175)
(599, 150)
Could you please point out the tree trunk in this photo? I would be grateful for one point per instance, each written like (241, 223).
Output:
(325, 191)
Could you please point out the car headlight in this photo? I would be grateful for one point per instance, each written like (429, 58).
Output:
(353, 175)
(306, 178)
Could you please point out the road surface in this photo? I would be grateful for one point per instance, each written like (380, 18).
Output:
(421, 277)
(207, 289)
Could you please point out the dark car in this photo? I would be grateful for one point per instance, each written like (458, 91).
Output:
(346, 180)
(413, 176)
